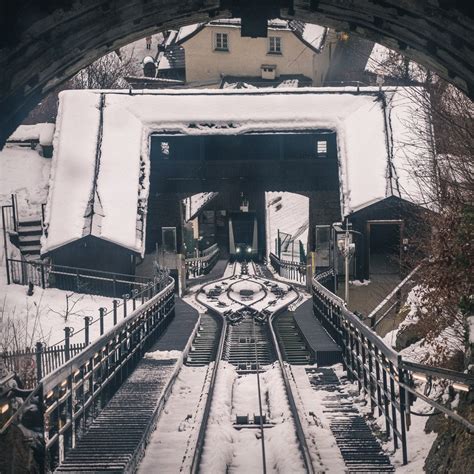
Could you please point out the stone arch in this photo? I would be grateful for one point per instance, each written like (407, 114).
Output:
(45, 42)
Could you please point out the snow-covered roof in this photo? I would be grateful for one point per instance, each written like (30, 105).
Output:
(43, 132)
(377, 146)
(312, 35)
(98, 184)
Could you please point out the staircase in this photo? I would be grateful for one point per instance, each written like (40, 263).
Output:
(293, 346)
(360, 449)
(29, 237)
(204, 346)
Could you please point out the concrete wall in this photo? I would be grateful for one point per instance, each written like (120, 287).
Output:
(246, 55)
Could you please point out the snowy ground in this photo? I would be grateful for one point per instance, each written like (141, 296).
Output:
(172, 444)
(240, 450)
(24, 320)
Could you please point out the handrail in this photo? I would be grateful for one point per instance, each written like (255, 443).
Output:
(367, 332)
(75, 269)
(364, 342)
(75, 362)
(373, 313)
(22, 408)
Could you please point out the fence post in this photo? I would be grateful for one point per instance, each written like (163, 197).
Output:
(115, 304)
(125, 297)
(402, 402)
(67, 342)
(134, 304)
(101, 320)
(87, 321)
(43, 280)
(39, 366)
(77, 280)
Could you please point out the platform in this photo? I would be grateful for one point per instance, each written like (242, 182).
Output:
(115, 439)
(180, 328)
(326, 351)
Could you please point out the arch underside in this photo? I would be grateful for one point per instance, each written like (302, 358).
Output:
(42, 44)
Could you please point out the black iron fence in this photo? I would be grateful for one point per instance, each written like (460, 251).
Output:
(74, 393)
(79, 280)
(294, 271)
(202, 265)
(31, 365)
(384, 377)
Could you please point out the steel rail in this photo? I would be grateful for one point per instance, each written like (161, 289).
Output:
(197, 455)
(291, 399)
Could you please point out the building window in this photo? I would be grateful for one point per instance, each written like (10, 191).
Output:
(221, 42)
(274, 45)
(322, 147)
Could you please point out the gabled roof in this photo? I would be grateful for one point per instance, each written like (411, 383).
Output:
(313, 36)
(98, 184)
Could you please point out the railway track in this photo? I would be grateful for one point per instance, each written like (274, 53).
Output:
(260, 409)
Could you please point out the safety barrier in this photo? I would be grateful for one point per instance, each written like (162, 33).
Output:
(202, 265)
(72, 396)
(294, 271)
(381, 373)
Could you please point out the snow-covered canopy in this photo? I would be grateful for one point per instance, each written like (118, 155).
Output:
(98, 184)
(102, 146)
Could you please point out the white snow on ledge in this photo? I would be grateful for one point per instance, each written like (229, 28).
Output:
(366, 151)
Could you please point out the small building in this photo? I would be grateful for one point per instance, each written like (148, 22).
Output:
(210, 51)
(95, 210)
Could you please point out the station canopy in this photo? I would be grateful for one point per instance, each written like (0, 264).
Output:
(99, 181)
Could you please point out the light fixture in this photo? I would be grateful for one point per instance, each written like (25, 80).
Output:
(238, 250)
(249, 249)
(4, 408)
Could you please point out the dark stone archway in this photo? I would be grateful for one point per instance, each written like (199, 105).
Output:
(45, 42)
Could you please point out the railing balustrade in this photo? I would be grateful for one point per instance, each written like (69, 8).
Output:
(380, 372)
(295, 271)
(202, 265)
(79, 280)
(71, 396)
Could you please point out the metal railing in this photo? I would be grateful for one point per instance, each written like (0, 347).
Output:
(71, 396)
(9, 225)
(79, 280)
(381, 373)
(202, 265)
(295, 271)
(31, 365)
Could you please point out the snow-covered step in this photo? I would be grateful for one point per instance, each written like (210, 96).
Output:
(30, 249)
(293, 346)
(358, 445)
(204, 346)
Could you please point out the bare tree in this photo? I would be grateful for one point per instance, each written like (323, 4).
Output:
(105, 73)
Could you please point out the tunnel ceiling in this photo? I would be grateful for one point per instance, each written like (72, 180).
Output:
(45, 42)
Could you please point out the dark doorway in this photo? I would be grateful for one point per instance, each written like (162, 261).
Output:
(384, 247)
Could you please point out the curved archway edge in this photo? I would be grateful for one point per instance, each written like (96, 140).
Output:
(44, 43)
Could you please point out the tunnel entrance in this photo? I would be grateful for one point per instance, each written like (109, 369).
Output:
(384, 247)
(438, 36)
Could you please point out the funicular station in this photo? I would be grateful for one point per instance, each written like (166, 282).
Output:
(178, 180)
